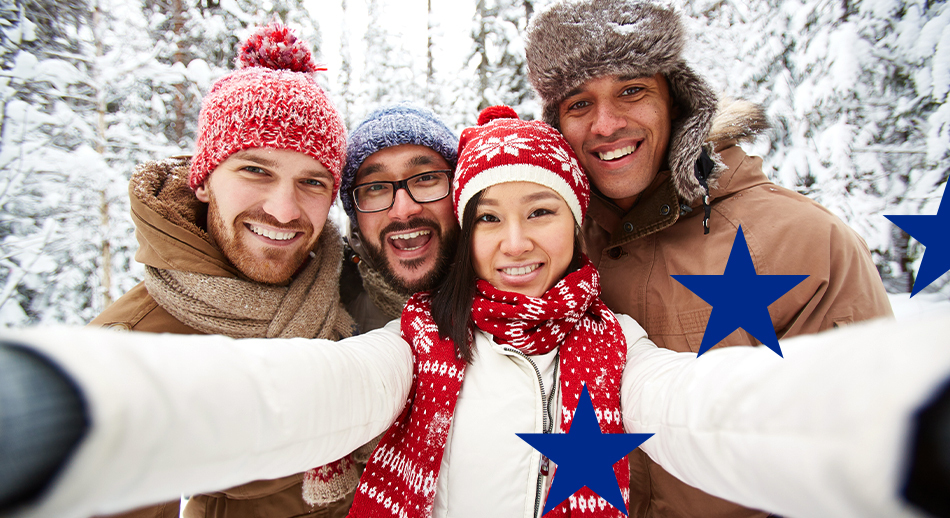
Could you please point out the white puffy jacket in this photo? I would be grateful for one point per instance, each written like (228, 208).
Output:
(821, 432)
(487, 470)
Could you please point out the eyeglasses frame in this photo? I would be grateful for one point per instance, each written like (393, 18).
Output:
(402, 184)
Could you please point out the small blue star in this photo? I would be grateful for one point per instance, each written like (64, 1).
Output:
(585, 456)
(930, 231)
(740, 298)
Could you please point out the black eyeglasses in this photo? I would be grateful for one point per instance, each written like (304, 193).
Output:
(422, 188)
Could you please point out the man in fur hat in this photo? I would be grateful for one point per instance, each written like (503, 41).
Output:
(236, 241)
(671, 187)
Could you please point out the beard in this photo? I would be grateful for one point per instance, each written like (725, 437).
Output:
(278, 264)
(447, 241)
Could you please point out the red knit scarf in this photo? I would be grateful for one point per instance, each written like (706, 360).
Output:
(401, 476)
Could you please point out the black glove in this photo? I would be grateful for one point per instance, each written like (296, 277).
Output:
(42, 419)
(928, 477)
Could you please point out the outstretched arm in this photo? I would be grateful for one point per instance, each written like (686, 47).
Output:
(173, 414)
(827, 430)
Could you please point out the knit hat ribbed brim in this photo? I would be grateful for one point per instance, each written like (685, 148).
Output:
(390, 126)
(504, 148)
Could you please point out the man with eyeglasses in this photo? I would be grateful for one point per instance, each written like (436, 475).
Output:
(395, 189)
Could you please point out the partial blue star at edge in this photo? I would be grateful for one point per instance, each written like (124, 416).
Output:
(584, 456)
(930, 231)
(740, 298)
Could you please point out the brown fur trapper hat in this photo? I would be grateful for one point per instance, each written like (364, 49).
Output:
(574, 41)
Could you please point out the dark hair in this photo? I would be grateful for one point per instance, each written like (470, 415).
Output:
(452, 298)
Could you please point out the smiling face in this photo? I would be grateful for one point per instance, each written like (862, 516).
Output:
(411, 243)
(523, 239)
(266, 209)
(620, 129)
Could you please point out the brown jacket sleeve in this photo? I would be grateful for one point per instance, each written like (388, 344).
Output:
(165, 510)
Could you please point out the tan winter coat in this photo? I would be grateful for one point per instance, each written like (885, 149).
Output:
(172, 239)
(787, 233)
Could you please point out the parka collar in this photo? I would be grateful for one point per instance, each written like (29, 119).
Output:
(169, 221)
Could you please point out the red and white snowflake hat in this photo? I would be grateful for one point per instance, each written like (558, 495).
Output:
(504, 148)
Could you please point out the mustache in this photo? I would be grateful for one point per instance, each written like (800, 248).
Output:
(623, 133)
(399, 226)
(259, 216)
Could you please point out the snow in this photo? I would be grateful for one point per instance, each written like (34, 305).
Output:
(906, 308)
(941, 66)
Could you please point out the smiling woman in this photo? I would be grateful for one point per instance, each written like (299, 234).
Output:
(515, 330)
(523, 237)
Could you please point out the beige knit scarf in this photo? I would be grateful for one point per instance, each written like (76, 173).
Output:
(308, 307)
(388, 299)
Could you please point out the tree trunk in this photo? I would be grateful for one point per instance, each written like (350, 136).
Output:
(178, 28)
(106, 284)
(430, 73)
(480, 38)
(106, 252)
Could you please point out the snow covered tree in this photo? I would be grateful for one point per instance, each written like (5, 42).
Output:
(448, 90)
(56, 257)
(199, 41)
(857, 92)
(389, 71)
(77, 118)
(497, 59)
(345, 79)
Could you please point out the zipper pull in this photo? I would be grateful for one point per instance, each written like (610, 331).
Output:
(545, 466)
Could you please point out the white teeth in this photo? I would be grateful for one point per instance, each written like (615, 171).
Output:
(617, 153)
(411, 235)
(276, 236)
(521, 270)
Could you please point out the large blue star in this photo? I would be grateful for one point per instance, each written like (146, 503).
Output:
(740, 298)
(930, 231)
(585, 456)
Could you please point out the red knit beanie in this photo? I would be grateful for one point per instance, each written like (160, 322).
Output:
(272, 100)
(503, 148)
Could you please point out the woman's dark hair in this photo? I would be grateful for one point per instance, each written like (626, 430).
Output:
(452, 298)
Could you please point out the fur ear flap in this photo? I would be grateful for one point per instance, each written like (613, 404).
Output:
(738, 120)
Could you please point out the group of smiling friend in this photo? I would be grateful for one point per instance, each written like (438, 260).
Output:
(514, 266)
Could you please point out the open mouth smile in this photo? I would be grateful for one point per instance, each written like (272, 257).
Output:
(412, 240)
(276, 235)
(618, 153)
(520, 270)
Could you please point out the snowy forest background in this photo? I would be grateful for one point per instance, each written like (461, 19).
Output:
(857, 91)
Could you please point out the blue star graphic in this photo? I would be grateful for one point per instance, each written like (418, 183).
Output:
(585, 456)
(930, 231)
(740, 298)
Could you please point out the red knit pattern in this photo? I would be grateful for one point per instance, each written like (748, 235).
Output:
(261, 107)
(401, 477)
(276, 47)
(496, 112)
(516, 144)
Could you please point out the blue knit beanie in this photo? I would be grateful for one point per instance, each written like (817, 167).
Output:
(393, 126)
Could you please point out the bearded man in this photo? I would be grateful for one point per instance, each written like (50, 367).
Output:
(236, 241)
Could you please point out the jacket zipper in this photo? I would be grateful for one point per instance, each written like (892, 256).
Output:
(547, 422)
